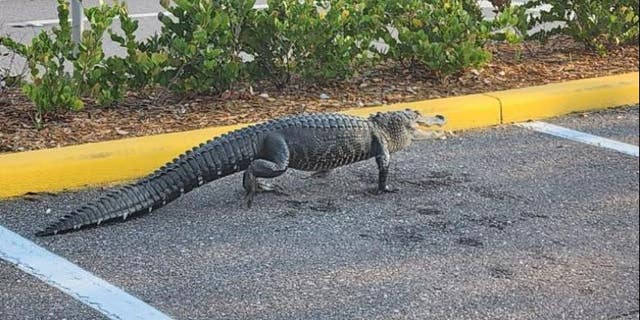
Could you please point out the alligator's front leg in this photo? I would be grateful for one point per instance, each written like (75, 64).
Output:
(274, 162)
(383, 160)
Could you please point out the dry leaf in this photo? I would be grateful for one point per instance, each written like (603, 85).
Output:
(122, 132)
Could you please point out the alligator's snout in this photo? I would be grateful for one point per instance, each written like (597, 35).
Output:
(437, 120)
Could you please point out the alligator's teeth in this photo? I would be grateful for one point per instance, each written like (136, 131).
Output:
(99, 222)
(150, 208)
(76, 227)
(124, 216)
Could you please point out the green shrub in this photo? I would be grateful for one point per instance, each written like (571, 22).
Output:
(596, 23)
(510, 24)
(438, 34)
(202, 41)
(473, 9)
(500, 5)
(90, 70)
(145, 63)
(310, 39)
(52, 87)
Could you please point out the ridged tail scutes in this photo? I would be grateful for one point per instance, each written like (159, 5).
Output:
(209, 161)
(123, 203)
(183, 174)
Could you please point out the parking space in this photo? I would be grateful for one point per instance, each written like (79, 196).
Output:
(499, 223)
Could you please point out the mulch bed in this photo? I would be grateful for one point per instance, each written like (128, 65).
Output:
(160, 112)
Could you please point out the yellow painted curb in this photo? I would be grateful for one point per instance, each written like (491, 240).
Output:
(464, 112)
(93, 164)
(572, 96)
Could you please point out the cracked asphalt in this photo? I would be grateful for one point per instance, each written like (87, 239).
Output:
(499, 223)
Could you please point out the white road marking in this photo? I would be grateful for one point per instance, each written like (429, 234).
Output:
(73, 280)
(46, 22)
(578, 136)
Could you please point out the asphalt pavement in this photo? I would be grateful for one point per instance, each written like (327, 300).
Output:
(498, 223)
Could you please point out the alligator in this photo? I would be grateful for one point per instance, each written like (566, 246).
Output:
(311, 142)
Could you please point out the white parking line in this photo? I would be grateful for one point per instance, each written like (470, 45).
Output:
(45, 22)
(578, 136)
(73, 280)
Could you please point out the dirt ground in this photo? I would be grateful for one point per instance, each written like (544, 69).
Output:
(160, 112)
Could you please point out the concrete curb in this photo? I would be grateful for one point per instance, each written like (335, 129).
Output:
(74, 167)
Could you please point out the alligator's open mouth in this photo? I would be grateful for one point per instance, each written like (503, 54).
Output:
(437, 120)
(426, 122)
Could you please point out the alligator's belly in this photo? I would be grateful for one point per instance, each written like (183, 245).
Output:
(323, 149)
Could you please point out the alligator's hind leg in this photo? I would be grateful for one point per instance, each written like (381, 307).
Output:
(274, 161)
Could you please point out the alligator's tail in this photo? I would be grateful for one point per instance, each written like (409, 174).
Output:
(209, 161)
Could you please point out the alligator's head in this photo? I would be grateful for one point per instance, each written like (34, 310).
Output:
(402, 127)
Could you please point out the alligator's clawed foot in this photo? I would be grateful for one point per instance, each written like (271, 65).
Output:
(386, 189)
(319, 174)
(249, 197)
(262, 186)
(250, 185)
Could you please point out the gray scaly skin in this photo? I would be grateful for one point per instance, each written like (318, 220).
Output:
(310, 142)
